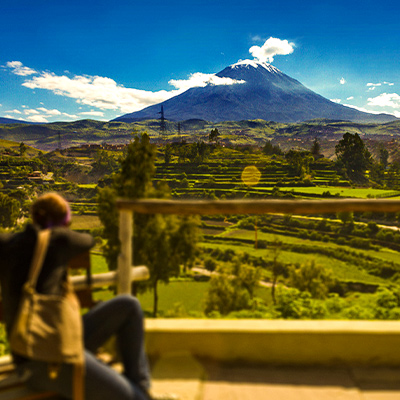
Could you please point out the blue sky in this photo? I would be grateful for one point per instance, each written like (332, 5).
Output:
(67, 60)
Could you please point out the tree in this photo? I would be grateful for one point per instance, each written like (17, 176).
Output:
(232, 288)
(300, 161)
(352, 153)
(345, 216)
(167, 153)
(269, 149)
(203, 151)
(312, 278)
(214, 134)
(155, 236)
(277, 267)
(316, 149)
(104, 163)
(9, 211)
(184, 241)
(383, 157)
(22, 149)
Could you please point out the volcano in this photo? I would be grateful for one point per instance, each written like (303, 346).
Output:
(255, 91)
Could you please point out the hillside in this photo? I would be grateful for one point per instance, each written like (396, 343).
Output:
(11, 121)
(253, 132)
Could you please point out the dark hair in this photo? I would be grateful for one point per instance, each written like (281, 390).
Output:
(50, 210)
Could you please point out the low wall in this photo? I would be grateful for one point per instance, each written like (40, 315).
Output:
(278, 342)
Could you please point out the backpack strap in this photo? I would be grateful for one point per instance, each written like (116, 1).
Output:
(38, 257)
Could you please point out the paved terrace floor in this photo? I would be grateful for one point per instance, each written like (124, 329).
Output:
(193, 379)
(275, 359)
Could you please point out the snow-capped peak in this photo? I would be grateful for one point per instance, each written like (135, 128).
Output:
(255, 64)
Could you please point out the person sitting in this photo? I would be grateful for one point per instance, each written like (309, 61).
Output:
(121, 316)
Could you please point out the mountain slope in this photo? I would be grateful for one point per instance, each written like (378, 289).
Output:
(261, 92)
(12, 121)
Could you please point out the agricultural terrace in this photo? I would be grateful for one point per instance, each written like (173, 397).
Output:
(355, 255)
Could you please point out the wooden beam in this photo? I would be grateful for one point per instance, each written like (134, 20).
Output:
(125, 255)
(209, 207)
(139, 273)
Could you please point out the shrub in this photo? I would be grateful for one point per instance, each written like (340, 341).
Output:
(184, 183)
(323, 226)
(357, 312)
(341, 241)
(293, 304)
(386, 298)
(262, 244)
(335, 304)
(394, 313)
(312, 278)
(247, 223)
(360, 243)
(210, 264)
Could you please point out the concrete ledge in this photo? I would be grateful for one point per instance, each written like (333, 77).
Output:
(278, 342)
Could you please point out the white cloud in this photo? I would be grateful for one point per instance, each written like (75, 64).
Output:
(93, 113)
(9, 116)
(342, 81)
(72, 116)
(18, 68)
(257, 38)
(42, 114)
(350, 98)
(38, 118)
(105, 94)
(362, 109)
(49, 112)
(199, 79)
(14, 111)
(373, 86)
(385, 100)
(31, 111)
(96, 91)
(271, 48)
(336, 100)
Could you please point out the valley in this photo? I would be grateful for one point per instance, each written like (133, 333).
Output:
(360, 250)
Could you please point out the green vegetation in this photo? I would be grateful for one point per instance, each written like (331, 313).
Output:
(314, 266)
(160, 242)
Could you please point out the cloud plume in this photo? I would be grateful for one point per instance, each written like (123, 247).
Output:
(271, 48)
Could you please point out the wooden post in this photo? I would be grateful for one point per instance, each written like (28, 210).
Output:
(125, 255)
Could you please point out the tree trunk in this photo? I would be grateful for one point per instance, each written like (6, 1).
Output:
(275, 278)
(155, 299)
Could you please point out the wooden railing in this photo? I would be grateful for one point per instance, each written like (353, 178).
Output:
(208, 207)
(139, 273)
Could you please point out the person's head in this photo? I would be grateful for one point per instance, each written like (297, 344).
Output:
(51, 210)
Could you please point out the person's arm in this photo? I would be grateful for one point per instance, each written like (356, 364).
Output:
(79, 243)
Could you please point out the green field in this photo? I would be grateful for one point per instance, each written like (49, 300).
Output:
(85, 222)
(362, 193)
